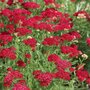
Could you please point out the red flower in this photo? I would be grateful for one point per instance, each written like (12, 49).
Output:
(5, 38)
(60, 64)
(31, 5)
(10, 2)
(63, 75)
(7, 12)
(53, 58)
(23, 31)
(49, 1)
(44, 78)
(7, 53)
(31, 42)
(11, 75)
(20, 86)
(27, 55)
(1, 25)
(81, 12)
(82, 74)
(54, 40)
(88, 41)
(72, 51)
(20, 63)
(88, 80)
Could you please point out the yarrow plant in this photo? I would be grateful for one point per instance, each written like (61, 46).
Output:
(44, 44)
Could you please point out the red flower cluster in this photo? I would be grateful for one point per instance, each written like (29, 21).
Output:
(20, 63)
(11, 75)
(5, 38)
(31, 5)
(60, 64)
(30, 42)
(23, 31)
(71, 50)
(20, 86)
(8, 53)
(54, 40)
(44, 78)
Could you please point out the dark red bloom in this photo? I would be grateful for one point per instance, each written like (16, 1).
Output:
(27, 55)
(88, 41)
(10, 2)
(21, 63)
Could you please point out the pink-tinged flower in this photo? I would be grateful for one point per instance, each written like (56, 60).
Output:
(62, 75)
(5, 38)
(88, 41)
(83, 13)
(30, 42)
(10, 76)
(44, 78)
(63, 64)
(20, 86)
(20, 63)
(23, 31)
(60, 64)
(8, 53)
(82, 74)
(54, 40)
(27, 55)
(32, 5)
(1, 25)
